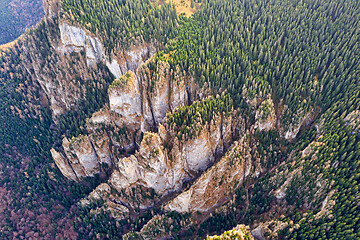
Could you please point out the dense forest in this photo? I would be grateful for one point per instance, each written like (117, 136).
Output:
(16, 16)
(303, 55)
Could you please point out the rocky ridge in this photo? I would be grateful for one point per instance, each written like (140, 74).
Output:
(160, 169)
(144, 92)
(133, 107)
(218, 183)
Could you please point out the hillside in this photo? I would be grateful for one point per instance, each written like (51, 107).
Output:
(182, 120)
(16, 16)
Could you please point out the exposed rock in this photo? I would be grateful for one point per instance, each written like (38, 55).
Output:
(295, 125)
(146, 96)
(326, 206)
(136, 55)
(78, 168)
(258, 233)
(155, 90)
(101, 144)
(162, 170)
(280, 193)
(63, 165)
(353, 119)
(198, 153)
(162, 91)
(77, 39)
(125, 99)
(133, 107)
(82, 148)
(309, 150)
(265, 116)
(103, 192)
(81, 156)
(109, 126)
(218, 183)
(179, 91)
(60, 76)
(102, 116)
(61, 80)
(51, 8)
(270, 228)
(114, 68)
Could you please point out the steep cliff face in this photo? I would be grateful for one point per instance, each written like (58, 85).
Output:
(149, 167)
(76, 39)
(144, 97)
(81, 155)
(140, 101)
(51, 8)
(145, 90)
(66, 167)
(265, 116)
(163, 169)
(63, 78)
(217, 183)
(125, 100)
(73, 61)
(300, 119)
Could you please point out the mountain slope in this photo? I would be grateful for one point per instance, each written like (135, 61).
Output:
(125, 119)
(16, 16)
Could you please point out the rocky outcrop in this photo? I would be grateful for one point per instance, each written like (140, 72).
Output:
(269, 229)
(76, 39)
(163, 90)
(125, 99)
(140, 101)
(163, 163)
(64, 165)
(163, 170)
(265, 118)
(71, 61)
(51, 8)
(149, 167)
(83, 157)
(63, 78)
(218, 183)
(80, 150)
(299, 120)
(311, 149)
(353, 119)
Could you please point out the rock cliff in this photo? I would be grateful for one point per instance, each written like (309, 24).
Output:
(77, 39)
(51, 8)
(133, 107)
(159, 169)
(291, 124)
(265, 115)
(74, 60)
(84, 157)
(218, 183)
